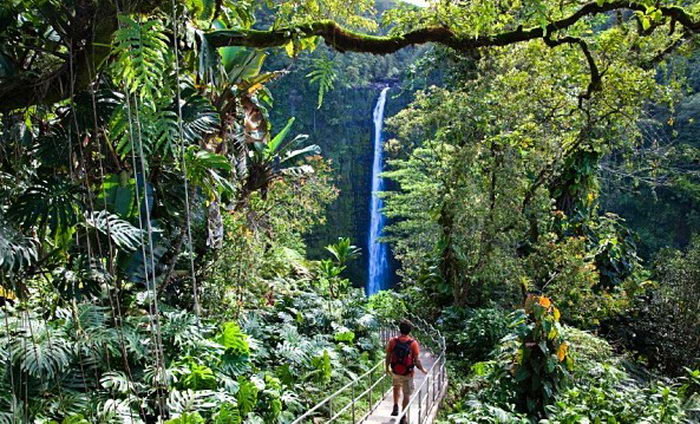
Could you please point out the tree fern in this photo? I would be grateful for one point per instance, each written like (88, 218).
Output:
(159, 129)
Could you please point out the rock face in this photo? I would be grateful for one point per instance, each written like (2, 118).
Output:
(343, 128)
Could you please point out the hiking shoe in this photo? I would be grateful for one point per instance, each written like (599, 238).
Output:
(395, 411)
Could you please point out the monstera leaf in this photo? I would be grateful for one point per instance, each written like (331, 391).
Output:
(17, 251)
(122, 233)
(51, 205)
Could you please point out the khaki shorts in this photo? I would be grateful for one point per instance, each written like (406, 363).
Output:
(405, 382)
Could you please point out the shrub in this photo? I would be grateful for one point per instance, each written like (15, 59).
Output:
(483, 413)
(479, 334)
(567, 272)
(598, 391)
(540, 361)
(587, 350)
(663, 325)
(387, 305)
(610, 397)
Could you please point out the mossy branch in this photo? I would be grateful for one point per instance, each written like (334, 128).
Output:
(343, 39)
(22, 91)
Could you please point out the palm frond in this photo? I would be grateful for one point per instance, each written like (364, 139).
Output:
(141, 49)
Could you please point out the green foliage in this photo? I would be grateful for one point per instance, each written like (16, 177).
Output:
(17, 251)
(388, 305)
(280, 156)
(118, 195)
(541, 362)
(52, 207)
(228, 413)
(199, 377)
(75, 419)
(473, 334)
(662, 322)
(247, 396)
(605, 400)
(205, 169)
(343, 251)
(498, 173)
(187, 418)
(142, 54)
(322, 367)
(599, 388)
(124, 235)
(233, 339)
(324, 75)
(344, 336)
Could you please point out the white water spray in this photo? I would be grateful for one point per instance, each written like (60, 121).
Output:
(378, 260)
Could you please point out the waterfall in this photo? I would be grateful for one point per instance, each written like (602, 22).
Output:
(378, 261)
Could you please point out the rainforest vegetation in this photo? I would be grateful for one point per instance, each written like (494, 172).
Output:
(185, 189)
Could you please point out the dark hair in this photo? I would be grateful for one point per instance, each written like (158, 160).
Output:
(405, 326)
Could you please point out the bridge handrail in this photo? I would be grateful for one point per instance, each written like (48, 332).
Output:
(365, 384)
(435, 381)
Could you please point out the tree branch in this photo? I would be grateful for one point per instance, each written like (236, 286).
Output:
(343, 39)
(596, 77)
(55, 84)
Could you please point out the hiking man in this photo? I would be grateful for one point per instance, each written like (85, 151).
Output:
(402, 355)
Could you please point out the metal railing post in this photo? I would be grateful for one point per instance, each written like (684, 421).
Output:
(420, 405)
(369, 395)
(353, 404)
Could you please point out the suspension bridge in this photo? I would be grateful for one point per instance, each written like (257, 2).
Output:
(368, 397)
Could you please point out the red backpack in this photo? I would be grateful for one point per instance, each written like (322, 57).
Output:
(402, 360)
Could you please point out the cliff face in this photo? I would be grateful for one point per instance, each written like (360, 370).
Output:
(343, 128)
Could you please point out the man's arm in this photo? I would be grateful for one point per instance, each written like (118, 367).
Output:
(416, 357)
(387, 359)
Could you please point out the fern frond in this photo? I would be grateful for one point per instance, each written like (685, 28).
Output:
(323, 73)
(141, 52)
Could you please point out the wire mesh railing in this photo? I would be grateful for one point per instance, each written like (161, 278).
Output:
(357, 400)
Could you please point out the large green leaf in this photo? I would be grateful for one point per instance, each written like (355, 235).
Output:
(122, 233)
(118, 195)
(274, 145)
(52, 205)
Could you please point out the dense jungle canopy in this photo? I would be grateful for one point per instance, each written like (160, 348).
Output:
(185, 188)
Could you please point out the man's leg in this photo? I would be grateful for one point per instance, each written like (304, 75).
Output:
(397, 389)
(407, 388)
(407, 391)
